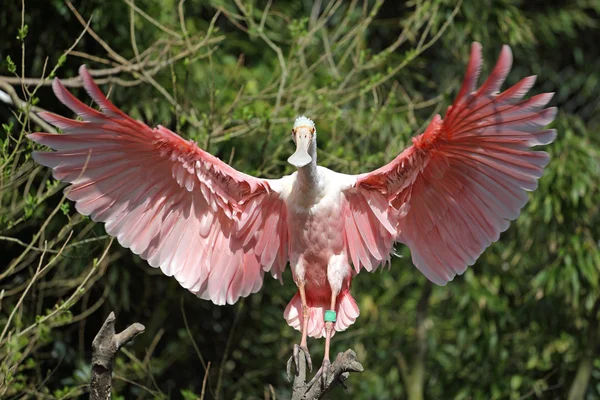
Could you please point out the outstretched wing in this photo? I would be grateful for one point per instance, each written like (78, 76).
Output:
(453, 192)
(216, 230)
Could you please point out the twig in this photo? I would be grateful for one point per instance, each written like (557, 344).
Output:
(226, 352)
(12, 314)
(152, 20)
(203, 392)
(105, 346)
(260, 33)
(115, 56)
(21, 104)
(339, 372)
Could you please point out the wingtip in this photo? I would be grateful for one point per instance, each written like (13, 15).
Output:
(552, 111)
(472, 72)
(439, 280)
(85, 75)
(38, 137)
(45, 115)
(528, 83)
(57, 87)
(476, 53)
(506, 55)
(34, 156)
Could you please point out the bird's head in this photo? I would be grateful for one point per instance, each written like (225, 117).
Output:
(304, 135)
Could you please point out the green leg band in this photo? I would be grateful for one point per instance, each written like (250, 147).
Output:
(330, 316)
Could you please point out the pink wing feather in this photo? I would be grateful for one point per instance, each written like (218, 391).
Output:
(452, 193)
(215, 229)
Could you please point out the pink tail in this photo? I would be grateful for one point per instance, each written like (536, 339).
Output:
(347, 312)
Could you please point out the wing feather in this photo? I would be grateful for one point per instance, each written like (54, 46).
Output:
(215, 229)
(452, 193)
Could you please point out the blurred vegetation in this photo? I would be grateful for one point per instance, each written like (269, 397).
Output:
(521, 323)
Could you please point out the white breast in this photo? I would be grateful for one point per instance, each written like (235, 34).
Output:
(315, 224)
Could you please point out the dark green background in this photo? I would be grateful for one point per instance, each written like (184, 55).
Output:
(519, 324)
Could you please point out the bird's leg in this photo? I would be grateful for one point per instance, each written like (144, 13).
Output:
(303, 347)
(330, 318)
(305, 311)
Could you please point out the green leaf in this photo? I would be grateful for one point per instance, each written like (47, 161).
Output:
(10, 65)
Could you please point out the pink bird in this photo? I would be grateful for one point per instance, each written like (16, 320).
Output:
(218, 230)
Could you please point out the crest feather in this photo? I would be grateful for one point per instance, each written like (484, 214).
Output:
(303, 121)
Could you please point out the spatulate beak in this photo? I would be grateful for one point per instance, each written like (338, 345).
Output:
(301, 157)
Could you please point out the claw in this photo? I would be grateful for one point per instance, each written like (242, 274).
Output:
(288, 369)
(307, 357)
(296, 356)
(322, 374)
(295, 360)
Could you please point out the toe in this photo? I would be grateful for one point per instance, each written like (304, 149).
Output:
(296, 355)
(325, 372)
(307, 356)
(289, 369)
(295, 360)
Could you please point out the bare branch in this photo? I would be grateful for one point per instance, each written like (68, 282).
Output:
(105, 346)
(339, 372)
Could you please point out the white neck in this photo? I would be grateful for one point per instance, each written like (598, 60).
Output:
(307, 175)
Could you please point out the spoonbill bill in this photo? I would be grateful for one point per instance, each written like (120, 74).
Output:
(218, 231)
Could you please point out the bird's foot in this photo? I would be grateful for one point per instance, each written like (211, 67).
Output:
(295, 360)
(322, 374)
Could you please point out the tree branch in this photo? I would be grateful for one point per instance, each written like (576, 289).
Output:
(8, 95)
(105, 346)
(338, 373)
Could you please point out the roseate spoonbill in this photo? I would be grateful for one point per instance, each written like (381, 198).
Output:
(218, 230)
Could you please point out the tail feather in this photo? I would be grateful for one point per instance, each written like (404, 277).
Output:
(346, 309)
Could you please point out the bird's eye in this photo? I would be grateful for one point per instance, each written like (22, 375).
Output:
(312, 130)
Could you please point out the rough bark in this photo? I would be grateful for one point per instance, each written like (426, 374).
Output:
(105, 346)
(107, 343)
(338, 373)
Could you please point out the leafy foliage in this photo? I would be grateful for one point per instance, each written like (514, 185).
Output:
(521, 323)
